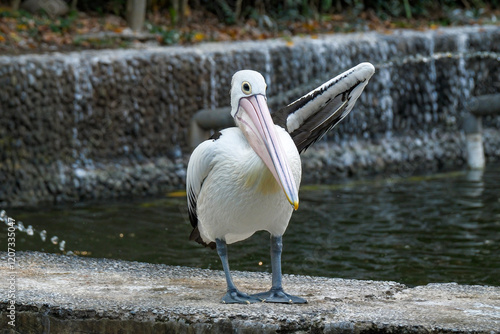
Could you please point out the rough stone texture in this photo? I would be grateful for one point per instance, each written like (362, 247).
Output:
(63, 294)
(103, 124)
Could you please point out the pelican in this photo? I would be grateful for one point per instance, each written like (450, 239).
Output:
(246, 178)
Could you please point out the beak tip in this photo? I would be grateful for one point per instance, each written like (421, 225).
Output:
(293, 202)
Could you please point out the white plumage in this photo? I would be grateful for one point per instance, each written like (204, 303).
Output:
(246, 179)
(240, 195)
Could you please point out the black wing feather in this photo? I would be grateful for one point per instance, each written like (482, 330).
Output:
(193, 189)
(320, 110)
(325, 119)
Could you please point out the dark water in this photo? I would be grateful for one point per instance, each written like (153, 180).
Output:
(435, 228)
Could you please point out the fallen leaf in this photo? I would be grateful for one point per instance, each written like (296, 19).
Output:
(108, 26)
(15, 36)
(198, 37)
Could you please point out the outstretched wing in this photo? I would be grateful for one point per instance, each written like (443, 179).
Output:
(199, 166)
(311, 116)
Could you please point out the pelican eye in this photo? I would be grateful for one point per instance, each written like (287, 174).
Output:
(246, 87)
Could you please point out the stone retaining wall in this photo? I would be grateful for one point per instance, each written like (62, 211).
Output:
(103, 124)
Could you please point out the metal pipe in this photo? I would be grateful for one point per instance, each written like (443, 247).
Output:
(474, 141)
(478, 106)
(219, 118)
(484, 105)
(208, 119)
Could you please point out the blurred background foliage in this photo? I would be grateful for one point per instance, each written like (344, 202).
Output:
(92, 23)
(232, 11)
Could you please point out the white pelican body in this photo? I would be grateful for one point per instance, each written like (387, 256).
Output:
(246, 179)
(242, 188)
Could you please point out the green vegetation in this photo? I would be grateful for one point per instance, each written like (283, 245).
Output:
(232, 11)
(102, 24)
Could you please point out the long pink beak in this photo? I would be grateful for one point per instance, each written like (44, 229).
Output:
(254, 119)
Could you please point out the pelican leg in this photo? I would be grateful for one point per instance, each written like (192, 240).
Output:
(233, 295)
(276, 294)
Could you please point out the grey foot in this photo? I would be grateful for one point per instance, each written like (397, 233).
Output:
(279, 296)
(237, 297)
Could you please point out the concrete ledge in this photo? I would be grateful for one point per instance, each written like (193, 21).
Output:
(63, 294)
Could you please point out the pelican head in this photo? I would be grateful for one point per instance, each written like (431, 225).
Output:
(251, 114)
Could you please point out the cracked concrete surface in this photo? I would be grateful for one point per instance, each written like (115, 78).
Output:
(68, 294)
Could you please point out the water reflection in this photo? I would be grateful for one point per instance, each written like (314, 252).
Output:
(416, 230)
(474, 187)
(443, 228)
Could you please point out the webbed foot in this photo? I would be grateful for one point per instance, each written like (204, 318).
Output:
(235, 296)
(279, 296)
